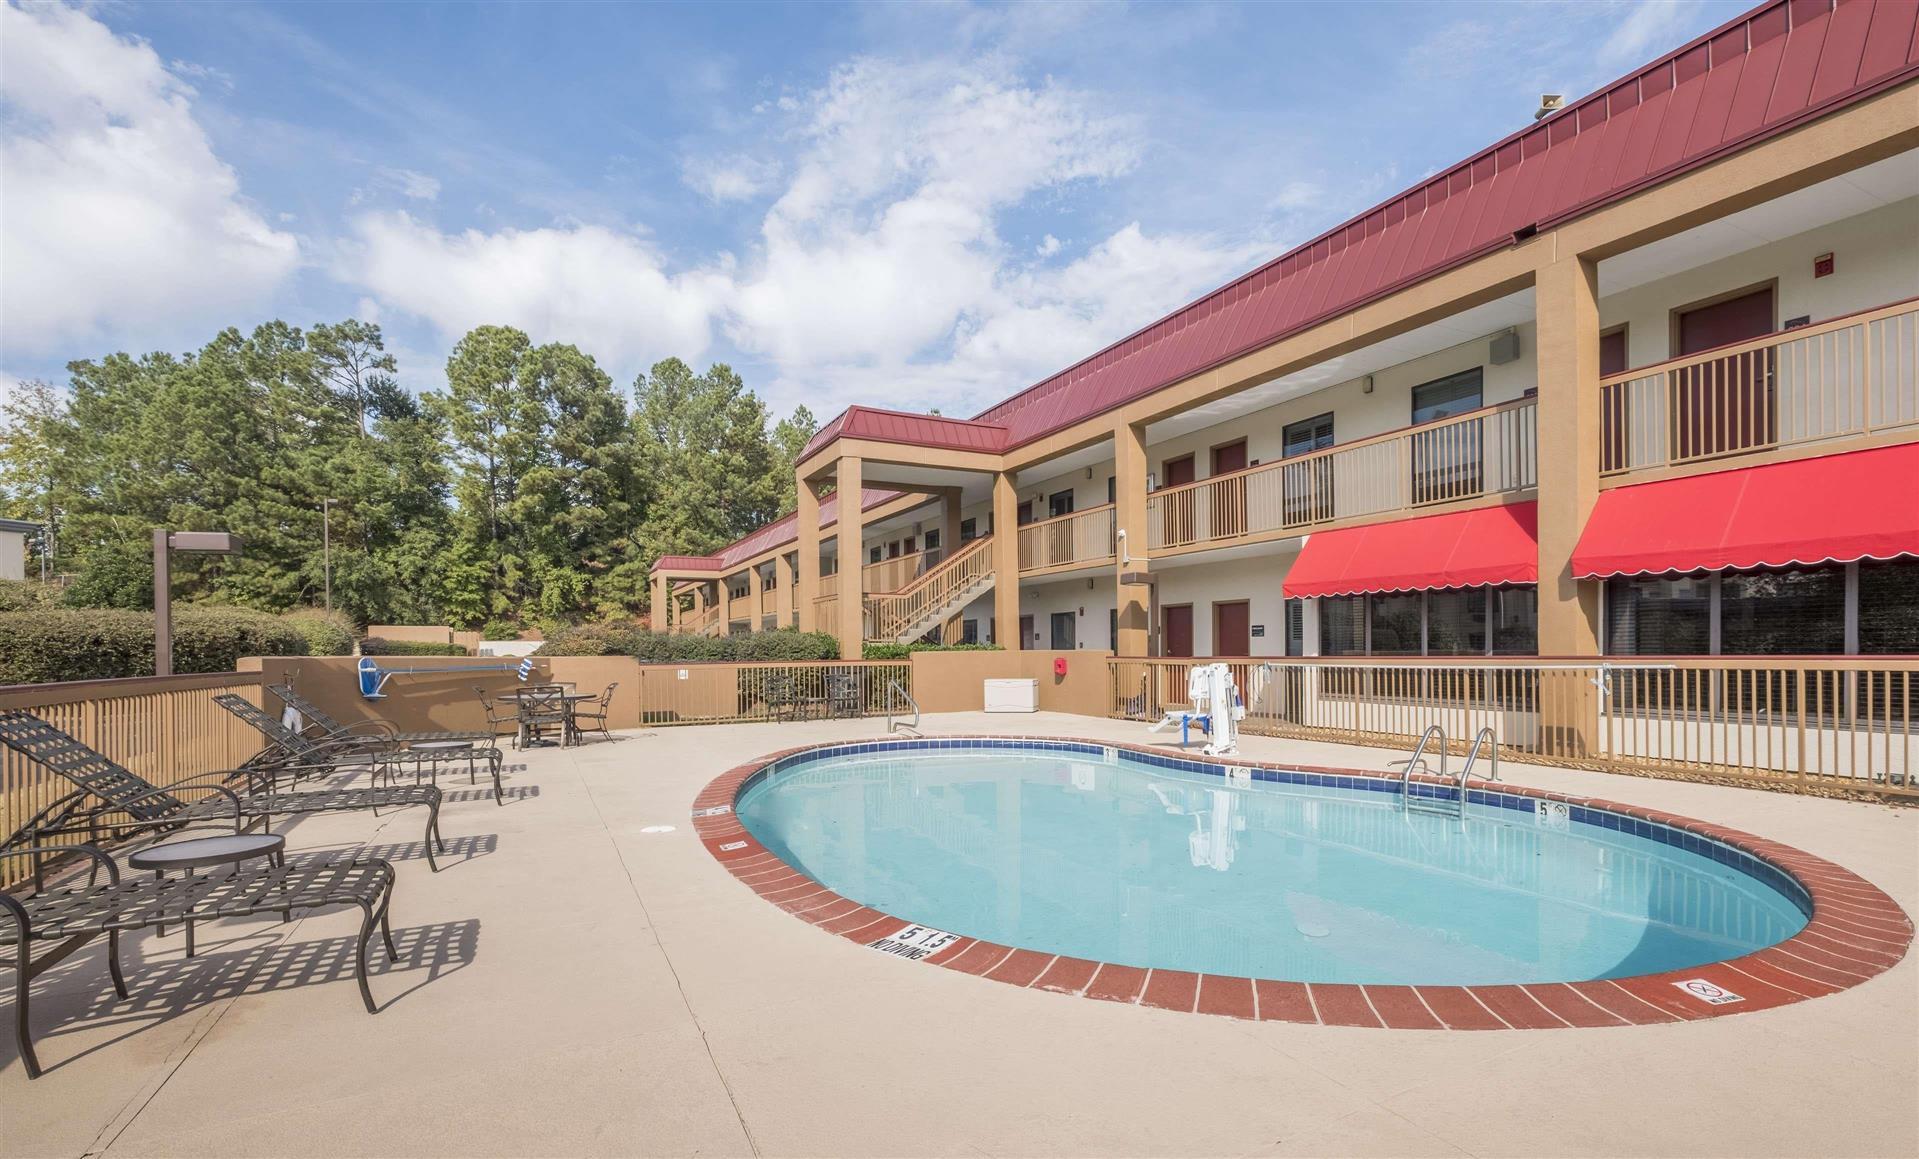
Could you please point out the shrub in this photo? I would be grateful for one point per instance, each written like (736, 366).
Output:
(26, 595)
(499, 630)
(650, 647)
(902, 651)
(380, 646)
(327, 633)
(51, 644)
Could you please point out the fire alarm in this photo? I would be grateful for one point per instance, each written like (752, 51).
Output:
(1822, 265)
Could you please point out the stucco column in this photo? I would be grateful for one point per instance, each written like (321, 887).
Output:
(787, 597)
(1567, 298)
(755, 589)
(723, 592)
(656, 613)
(1135, 601)
(806, 579)
(851, 528)
(1005, 551)
(1568, 354)
(951, 504)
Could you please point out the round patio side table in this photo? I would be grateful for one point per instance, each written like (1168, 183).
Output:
(201, 851)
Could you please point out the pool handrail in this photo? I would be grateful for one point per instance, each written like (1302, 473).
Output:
(893, 690)
(1485, 736)
(1418, 759)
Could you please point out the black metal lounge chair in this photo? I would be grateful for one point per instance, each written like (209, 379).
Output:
(76, 913)
(105, 791)
(287, 751)
(329, 728)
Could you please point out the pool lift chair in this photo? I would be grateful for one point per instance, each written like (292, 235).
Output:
(1209, 686)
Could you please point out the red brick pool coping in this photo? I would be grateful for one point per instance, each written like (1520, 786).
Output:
(1856, 932)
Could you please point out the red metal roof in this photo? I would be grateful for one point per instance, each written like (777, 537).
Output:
(775, 534)
(1777, 515)
(895, 426)
(1463, 549)
(1777, 66)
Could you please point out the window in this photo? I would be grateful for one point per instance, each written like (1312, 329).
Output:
(1295, 627)
(969, 631)
(1393, 624)
(969, 530)
(1059, 503)
(877, 553)
(1112, 630)
(932, 540)
(1112, 489)
(1889, 607)
(1307, 435)
(1342, 627)
(1445, 397)
(1456, 622)
(1514, 614)
(1791, 611)
(1659, 615)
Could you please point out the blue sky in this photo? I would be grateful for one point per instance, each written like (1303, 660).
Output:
(911, 205)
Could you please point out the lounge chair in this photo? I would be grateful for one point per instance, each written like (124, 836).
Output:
(105, 790)
(327, 727)
(76, 913)
(289, 752)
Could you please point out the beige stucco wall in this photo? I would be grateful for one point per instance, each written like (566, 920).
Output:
(13, 555)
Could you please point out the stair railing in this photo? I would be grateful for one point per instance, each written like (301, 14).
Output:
(897, 612)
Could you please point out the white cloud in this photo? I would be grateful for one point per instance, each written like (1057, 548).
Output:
(732, 178)
(117, 217)
(412, 184)
(1048, 246)
(602, 290)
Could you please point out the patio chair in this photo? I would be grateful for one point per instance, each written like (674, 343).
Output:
(326, 727)
(590, 715)
(105, 790)
(543, 713)
(289, 752)
(75, 913)
(782, 695)
(843, 697)
(497, 722)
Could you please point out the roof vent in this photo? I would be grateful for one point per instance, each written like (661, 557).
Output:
(1549, 103)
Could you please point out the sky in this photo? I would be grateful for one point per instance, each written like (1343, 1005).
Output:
(906, 205)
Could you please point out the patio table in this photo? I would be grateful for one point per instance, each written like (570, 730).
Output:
(200, 851)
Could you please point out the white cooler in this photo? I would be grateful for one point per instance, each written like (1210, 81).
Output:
(1012, 696)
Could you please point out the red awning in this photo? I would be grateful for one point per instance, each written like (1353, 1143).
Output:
(1833, 509)
(1493, 545)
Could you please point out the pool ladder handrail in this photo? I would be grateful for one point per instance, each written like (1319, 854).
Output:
(1483, 736)
(894, 693)
(1418, 759)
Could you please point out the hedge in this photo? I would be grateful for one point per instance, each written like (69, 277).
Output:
(327, 633)
(649, 647)
(381, 646)
(26, 595)
(51, 644)
(902, 651)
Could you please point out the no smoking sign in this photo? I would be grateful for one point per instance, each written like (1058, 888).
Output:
(1707, 992)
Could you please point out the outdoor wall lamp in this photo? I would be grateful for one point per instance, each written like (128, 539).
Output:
(164, 544)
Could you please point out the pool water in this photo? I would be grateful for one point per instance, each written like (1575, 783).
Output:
(1099, 855)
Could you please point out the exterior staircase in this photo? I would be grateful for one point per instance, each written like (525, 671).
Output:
(932, 599)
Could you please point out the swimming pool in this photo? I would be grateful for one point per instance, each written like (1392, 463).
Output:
(1098, 854)
(1124, 872)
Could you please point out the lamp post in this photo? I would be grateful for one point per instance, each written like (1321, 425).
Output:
(326, 548)
(164, 544)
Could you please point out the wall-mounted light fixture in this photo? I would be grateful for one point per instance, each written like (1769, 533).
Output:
(1366, 384)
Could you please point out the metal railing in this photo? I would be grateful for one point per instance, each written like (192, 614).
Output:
(895, 694)
(726, 693)
(889, 616)
(1486, 452)
(1081, 537)
(165, 729)
(1851, 376)
(1828, 725)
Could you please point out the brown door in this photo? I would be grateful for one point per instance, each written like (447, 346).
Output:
(1233, 629)
(1228, 502)
(1177, 624)
(1176, 524)
(1613, 421)
(1025, 515)
(1026, 632)
(1724, 405)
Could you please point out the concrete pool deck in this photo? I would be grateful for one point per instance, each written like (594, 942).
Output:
(577, 985)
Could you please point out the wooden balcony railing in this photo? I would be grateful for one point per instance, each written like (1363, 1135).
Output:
(826, 615)
(890, 575)
(1082, 537)
(1817, 725)
(889, 615)
(1490, 451)
(1857, 375)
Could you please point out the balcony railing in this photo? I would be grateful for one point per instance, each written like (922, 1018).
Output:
(1082, 537)
(890, 575)
(1490, 451)
(1816, 725)
(826, 614)
(1851, 376)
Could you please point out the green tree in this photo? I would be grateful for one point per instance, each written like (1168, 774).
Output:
(708, 462)
(789, 440)
(28, 462)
